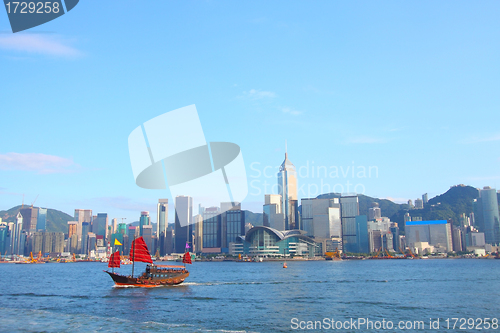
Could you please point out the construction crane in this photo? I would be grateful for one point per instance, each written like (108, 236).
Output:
(388, 254)
(34, 200)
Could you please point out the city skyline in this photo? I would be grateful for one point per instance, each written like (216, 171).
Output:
(386, 86)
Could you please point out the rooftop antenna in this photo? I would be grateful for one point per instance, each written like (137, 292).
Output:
(286, 150)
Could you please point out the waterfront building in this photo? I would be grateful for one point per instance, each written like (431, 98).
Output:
(436, 233)
(396, 245)
(287, 188)
(425, 198)
(183, 223)
(374, 212)
(58, 242)
(161, 224)
(4, 238)
(198, 234)
(131, 236)
(456, 238)
(47, 242)
(19, 238)
(92, 244)
(322, 219)
(144, 220)
(12, 233)
(212, 237)
(349, 211)
(82, 215)
(268, 242)
(85, 232)
(476, 239)
(119, 237)
(362, 241)
(487, 216)
(147, 234)
(169, 241)
(273, 215)
(375, 240)
(162, 216)
(41, 221)
(233, 223)
(114, 226)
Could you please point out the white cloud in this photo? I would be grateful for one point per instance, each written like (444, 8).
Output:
(365, 140)
(37, 43)
(39, 163)
(495, 137)
(288, 110)
(258, 94)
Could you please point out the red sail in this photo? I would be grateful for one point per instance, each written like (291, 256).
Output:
(139, 251)
(187, 258)
(114, 260)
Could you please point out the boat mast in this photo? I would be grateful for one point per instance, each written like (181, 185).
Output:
(133, 257)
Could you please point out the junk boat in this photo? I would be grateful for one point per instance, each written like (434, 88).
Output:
(154, 276)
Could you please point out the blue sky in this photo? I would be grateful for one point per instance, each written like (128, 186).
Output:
(409, 89)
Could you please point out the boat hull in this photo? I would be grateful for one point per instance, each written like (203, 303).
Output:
(145, 282)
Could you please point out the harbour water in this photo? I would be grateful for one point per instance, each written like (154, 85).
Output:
(251, 297)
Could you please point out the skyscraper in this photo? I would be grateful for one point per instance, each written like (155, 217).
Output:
(211, 229)
(41, 223)
(350, 209)
(487, 217)
(287, 187)
(147, 234)
(273, 215)
(374, 212)
(183, 223)
(162, 216)
(82, 215)
(4, 238)
(198, 234)
(144, 220)
(233, 223)
(30, 215)
(321, 218)
(85, 232)
(425, 198)
(18, 239)
(101, 224)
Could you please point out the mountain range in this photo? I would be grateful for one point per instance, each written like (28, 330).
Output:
(447, 206)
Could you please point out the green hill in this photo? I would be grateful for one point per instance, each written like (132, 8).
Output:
(57, 221)
(387, 207)
(447, 206)
(255, 219)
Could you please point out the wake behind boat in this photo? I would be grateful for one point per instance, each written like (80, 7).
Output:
(154, 276)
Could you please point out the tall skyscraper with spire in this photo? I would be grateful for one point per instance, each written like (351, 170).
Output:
(287, 187)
